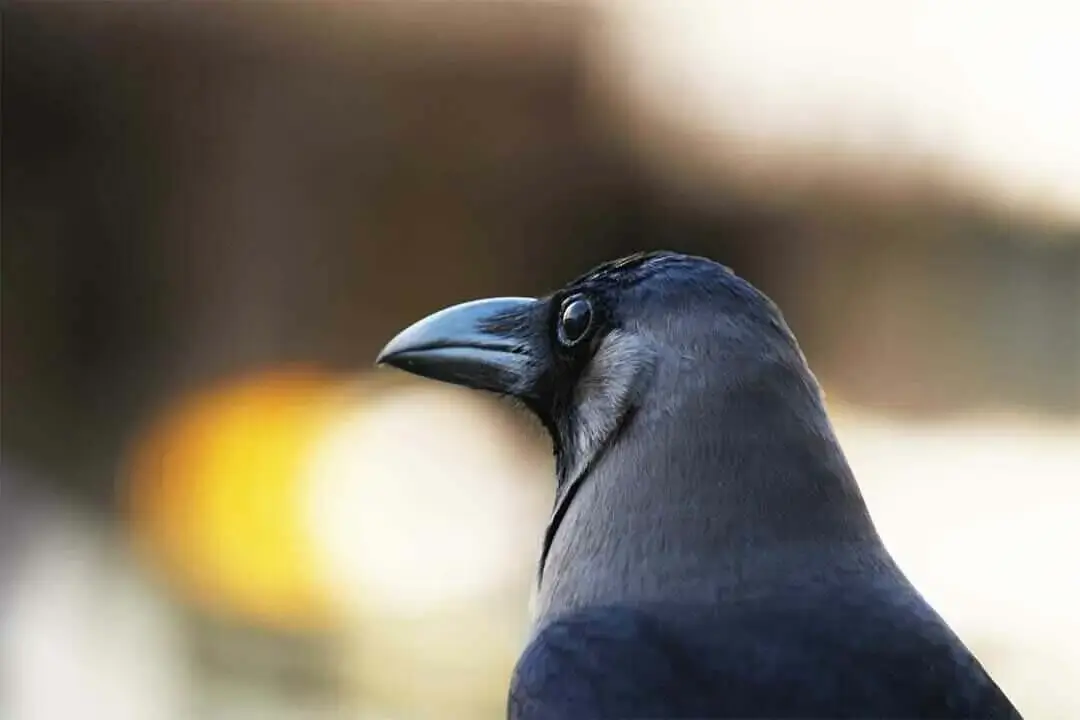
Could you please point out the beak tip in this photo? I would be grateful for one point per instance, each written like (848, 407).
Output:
(391, 350)
(385, 358)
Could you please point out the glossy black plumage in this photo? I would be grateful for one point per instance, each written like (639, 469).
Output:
(709, 553)
(871, 653)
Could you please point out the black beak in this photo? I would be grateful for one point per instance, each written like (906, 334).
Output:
(479, 344)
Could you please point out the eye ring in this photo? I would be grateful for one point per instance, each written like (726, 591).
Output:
(575, 320)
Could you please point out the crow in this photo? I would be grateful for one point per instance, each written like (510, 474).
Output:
(709, 554)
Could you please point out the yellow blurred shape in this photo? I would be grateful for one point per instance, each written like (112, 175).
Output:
(215, 492)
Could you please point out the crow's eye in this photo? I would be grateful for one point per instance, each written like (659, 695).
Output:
(575, 321)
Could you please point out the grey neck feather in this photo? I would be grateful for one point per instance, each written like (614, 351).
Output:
(720, 483)
(610, 387)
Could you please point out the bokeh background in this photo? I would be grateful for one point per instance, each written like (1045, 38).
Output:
(214, 215)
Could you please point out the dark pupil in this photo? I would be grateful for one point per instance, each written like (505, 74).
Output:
(575, 320)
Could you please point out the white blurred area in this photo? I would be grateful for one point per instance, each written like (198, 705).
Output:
(424, 498)
(979, 95)
(428, 503)
(981, 512)
(81, 632)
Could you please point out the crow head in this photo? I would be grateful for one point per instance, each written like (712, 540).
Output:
(676, 351)
(582, 357)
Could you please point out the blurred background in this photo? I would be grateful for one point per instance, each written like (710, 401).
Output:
(215, 214)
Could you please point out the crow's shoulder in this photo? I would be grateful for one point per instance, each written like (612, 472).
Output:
(768, 659)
